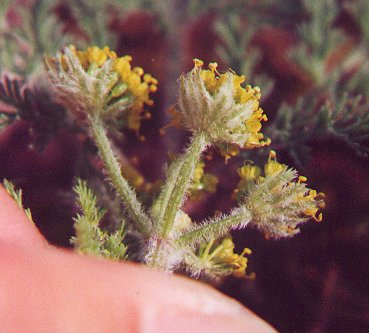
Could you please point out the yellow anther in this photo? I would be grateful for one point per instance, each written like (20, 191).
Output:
(272, 155)
(198, 63)
(138, 70)
(312, 194)
(153, 88)
(247, 251)
(302, 179)
(213, 66)
(267, 142)
(149, 79)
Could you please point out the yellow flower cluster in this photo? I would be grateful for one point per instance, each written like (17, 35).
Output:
(222, 257)
(130, 81)
(310, 199)
(228, 150)
(202, 182)
(237, 262)
(213, 80)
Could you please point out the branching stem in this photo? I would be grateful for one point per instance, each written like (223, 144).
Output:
(215, 229)
(179, 178)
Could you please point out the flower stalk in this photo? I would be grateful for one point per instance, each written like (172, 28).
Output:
(113, 169)
(179, 179)
(215, 228)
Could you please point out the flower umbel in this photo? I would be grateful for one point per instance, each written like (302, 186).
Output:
(218, 105)
(97, 79)
(218, 259)
(218, 111)
(278, 201)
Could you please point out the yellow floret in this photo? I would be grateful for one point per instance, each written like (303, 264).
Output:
(249, 172)
(310, 200)
(131, 83)
(224, 255)
(213, 81)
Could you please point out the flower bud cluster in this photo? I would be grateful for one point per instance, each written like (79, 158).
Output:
(218, 259)
(98, 79)
(218, 105)
(279, 199)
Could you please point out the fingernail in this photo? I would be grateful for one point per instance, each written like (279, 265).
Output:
(203, 312)
(193, 322)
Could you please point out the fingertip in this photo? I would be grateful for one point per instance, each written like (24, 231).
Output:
(148, 301)
(179, 304)
(15, 227)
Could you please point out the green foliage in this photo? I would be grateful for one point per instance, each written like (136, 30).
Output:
(345, 118)
(196, 7)
(128, 5)
(237, 52)
(11, 96)
(358, 83)
(23, 46)
(18, 100)
(331, 108)
(90, 238)
(318, 40)
(359, 9)
(17, 196)
(237, 36)
(93, 18)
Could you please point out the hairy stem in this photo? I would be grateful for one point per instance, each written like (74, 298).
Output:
(179, 178)
(113, 168)
(215, 229)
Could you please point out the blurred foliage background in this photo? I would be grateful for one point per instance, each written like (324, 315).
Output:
(310, 59)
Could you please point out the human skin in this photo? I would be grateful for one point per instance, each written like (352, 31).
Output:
(48, 289)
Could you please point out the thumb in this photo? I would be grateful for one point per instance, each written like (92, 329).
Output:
(49, 290)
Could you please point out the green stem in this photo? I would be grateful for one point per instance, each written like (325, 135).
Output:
(215, 229)
(207, 249)
(156, 258)
(113, 168)
(179, 178)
